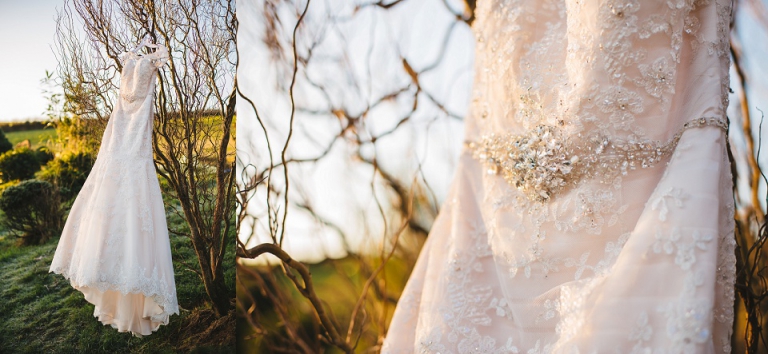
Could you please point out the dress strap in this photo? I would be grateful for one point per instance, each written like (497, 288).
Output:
(147, 40)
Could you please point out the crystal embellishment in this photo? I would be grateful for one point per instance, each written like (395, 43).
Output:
(544, 161)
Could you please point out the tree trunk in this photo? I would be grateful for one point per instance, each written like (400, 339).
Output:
(213, 278)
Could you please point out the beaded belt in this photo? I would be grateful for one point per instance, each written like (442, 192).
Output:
(133, 98)
(544, 161)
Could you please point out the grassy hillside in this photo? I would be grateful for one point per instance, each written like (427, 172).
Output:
(36, 137)
(41, 313)
(338, 283)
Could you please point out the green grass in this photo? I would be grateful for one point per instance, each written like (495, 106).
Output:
(41, 313)
(37, 137)
(338, 283)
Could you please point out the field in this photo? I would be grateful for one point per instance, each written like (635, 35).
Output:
(36, 137)
(41, 137)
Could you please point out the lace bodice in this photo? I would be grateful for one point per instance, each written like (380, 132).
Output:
(571, 63)
(129, 134)
(138, 75)
(594, 76)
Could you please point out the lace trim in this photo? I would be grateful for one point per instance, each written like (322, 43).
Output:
(130, 282)
(545, 160)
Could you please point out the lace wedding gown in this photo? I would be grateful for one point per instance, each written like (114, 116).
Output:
(115, 247)
(592, 209)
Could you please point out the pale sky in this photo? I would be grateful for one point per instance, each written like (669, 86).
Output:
(26, 34)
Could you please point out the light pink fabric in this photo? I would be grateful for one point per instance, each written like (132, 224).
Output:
(115, 247)
(641, 262)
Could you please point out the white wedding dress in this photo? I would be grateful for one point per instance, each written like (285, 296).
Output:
(592, 209)
(115, 247)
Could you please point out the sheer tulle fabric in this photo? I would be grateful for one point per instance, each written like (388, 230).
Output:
(115, 247)
(643, 263)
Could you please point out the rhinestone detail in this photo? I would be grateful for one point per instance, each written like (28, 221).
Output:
(545, 161)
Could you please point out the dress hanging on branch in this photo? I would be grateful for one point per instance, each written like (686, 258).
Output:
(115, 247)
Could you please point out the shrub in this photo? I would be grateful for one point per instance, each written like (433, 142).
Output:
(43, 154)
(68, 173)
(5, 185)
(18, 164)
(32, 211)
(80, 134)
(5, 144)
